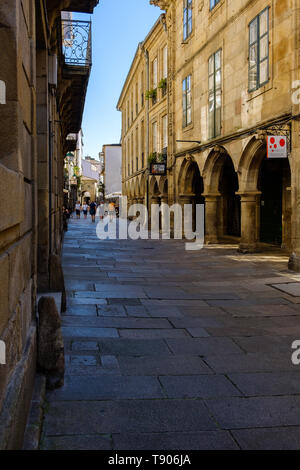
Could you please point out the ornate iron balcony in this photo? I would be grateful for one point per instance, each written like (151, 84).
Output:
(77, 42)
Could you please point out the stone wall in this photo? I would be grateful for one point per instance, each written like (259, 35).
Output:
(18, 223)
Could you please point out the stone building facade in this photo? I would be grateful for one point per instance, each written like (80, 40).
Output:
(143, 103)
(43, 95)
(233, 84)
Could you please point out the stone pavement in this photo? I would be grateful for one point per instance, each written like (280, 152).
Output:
(174, 349)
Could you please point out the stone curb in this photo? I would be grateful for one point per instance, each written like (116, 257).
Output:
(35, 419)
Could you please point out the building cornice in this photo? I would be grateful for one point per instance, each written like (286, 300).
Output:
(162, 4)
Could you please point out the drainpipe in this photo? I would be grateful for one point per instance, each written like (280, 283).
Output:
(147, 126)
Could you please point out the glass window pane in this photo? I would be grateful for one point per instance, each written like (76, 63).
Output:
(188, 100)
(218, 122)
(218, 99)
(184, 85)
(264, 48)
(263, 22)
(188, 86)
(211, 65)
(253, 31)
(211, 125)
(211, 102)
(218, 60)
(211, 83)
(252, 78)
(212, 3)
(263, 72)
(253, 55)
(189, 116)
(218, 78)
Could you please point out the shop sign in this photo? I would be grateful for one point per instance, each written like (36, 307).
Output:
(276, 146)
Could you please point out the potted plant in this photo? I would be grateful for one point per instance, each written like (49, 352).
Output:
(163, 83)
(151, 94)
(152, 158)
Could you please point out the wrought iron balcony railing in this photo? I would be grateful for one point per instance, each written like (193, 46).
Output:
(77, 42)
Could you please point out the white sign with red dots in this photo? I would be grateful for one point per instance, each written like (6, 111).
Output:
(276, 146)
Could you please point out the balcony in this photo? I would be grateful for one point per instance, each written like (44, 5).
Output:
(75, 65)
(77, 43)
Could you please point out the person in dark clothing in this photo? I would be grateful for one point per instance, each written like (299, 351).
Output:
(93, 208)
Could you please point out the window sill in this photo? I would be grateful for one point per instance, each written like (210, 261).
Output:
(216, 8)
(260, 91)
(188, 127)
(187, 40)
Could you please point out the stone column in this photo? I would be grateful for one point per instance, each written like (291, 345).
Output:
(249, 228)
(211, 217)
(153, 200)
(185, 199)
(165, 222)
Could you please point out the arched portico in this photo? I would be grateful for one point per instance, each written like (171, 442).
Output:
(265, 197)
(222, 202)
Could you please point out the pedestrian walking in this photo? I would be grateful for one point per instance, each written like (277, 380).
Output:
(85, 209)
(93, 208)
(111, 210)
(78, 209)
(101, 211)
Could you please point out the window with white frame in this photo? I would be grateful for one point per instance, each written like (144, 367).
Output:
(214, 94)
(187, 18)
(259, 50)
(186, 101)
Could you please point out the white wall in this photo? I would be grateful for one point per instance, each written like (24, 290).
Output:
(113, 169)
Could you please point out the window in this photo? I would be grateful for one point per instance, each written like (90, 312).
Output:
(154, 73)
(165, 62)
(186, 101)
(213, 3)
(165, 131)
(214, 94)
(136, 100)
(142, 142)
(259, 50)
(154, 137)
(142, 89)
(187, 18)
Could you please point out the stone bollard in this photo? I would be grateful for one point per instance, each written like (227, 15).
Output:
(51, 359)
(57, 282)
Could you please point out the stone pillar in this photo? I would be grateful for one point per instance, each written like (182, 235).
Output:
(211, 217)
(184, 199)
(249, 226)
(153, 200)
(165, 222)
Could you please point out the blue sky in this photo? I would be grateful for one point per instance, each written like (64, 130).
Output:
(118, 27)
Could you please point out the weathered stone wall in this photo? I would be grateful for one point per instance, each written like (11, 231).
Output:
(17, 190)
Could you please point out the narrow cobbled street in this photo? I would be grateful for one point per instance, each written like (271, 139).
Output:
(171, 349)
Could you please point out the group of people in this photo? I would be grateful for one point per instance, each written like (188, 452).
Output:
(92, 209)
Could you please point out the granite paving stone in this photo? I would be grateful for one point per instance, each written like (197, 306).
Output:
(108, 387)
(276, 438)
(255, 412)
(169, 365)
(169, 349)
(203, 440)
(125, 416)
(204, 346)
(205, 386)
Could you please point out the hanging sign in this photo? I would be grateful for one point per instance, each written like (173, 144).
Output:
(276, 146)
(158, 169)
